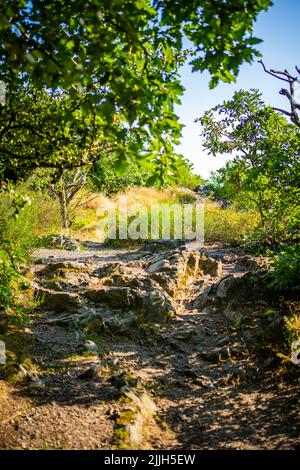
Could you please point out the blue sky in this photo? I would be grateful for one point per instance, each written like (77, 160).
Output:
(279, 28)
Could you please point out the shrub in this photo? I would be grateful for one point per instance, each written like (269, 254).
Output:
(11, 281)
(23, 216)
(286, 269)
(104, 178)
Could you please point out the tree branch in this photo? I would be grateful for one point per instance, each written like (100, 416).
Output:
(285, 73)
(295, 106)
(282, 111)
(273, 73)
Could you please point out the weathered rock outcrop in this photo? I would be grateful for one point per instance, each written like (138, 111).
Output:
(232, 291)
(123, 293)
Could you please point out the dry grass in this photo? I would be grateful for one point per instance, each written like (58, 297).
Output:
(148, 196)
(86, 205)
(228, 225)
(223, 225)
(40, 217)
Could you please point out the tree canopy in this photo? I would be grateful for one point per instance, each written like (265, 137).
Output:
(102, 42)
(265, 167)
(110, 62)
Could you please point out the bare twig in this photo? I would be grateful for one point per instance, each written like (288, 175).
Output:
(282, 111)
(272, 72)
(290, 94)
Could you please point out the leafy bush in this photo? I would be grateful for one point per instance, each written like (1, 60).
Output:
(292, 319)
(10, 279)
(183, 173)
(264, 172)
(22, 218)
(104, 178)
(286, 269)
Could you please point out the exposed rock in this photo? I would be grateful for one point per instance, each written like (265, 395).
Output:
(89, 346)
(223, 341)
(61, 242)
(59, 302)
(192, 365)
(90, 373)
(159, 266)
(226, 286)
(224, 203)
(174, 344)
(166, 282)
(215, 355)
(123, 294)
(175, 271)
(22, 373)
(133, 423)
(64, 320)
(187, 334)
(126, 380)
(154, 305)
(36, 385)
(210, 266)
(232, 291)
(54, 285)
(250, 263)
(203, 190)
(124, 280)
(157, 245)
(120, 323)
(98, 319)
(107, 270)
(206, 296)
(115, 296)
(63, 269)
(151, 304)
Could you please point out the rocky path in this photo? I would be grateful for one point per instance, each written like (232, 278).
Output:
(140, 349)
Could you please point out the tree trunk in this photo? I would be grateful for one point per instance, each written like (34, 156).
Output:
(64, 209)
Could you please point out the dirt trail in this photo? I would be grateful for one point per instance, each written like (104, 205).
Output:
(196, 367)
